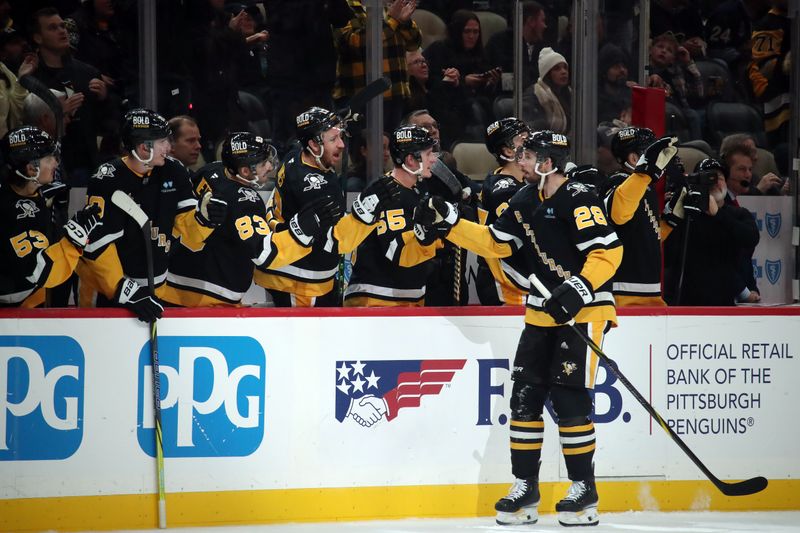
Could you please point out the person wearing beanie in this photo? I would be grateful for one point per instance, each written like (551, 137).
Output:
(614, 92)
(547, 103)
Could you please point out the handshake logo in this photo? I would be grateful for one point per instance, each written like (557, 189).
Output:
(369, 391)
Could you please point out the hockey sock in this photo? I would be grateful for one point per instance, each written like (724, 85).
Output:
(577, 445)
(526, 447)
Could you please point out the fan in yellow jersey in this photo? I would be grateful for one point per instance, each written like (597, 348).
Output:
(222, 271)
(391, 266)
(507, 277)
(114, 264)
(305, 177)
(571, 247)
(28, 262)
(633, 207)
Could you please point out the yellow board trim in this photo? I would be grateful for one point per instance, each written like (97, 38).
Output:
(365, 503)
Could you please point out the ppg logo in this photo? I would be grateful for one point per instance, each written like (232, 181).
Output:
(41, 397)
(212, 396)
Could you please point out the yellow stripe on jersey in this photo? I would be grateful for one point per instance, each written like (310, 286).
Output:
(477, 238)
(624, 300)
(288, 250)
(600, 265)
(349, 233)
(627, 197)
(413, 253)
(284, 284)
(102, 274)
(190, 232)
(186, 298)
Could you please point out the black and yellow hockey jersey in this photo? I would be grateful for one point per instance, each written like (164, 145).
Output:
(560, 236)
(118, 250)
(389, 267)
(632, 206)
(222, 271)
(28, 262)
(510, 273)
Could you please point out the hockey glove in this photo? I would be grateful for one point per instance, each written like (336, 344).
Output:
(211, 211)
(568, 298)
(372, 200)
(51, 191)
(79, 228)
(138, 299)
(656, 157)
(315, 217)
(423, 219)
(674, 208)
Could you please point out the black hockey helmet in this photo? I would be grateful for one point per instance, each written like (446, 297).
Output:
(407, 140)
(586, 174)
(631, 139)
(501, 134)
(142, 126)
(546, 144)
(27, 144)
(708, 164)
(245, 149)
(312, 123)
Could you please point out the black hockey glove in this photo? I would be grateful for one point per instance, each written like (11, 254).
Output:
(314, 218)
(656, 157)
(433, 218)
(374, 198)
(568, 298)
(674, 209)
(52, 190)
(79, 228)
(211, 211)
(138, 299)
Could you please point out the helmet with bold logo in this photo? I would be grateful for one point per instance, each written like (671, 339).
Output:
(27, 144)
(245, 149)
(631, 140)
(411, 140)
(143, 126)
(501, 133)
(546, 144)
(312, 123)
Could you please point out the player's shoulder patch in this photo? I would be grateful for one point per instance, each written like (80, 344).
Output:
(503, 183)
(314, 181)
(105, 171)
(26, 209)
(247, 194)
(576, 188)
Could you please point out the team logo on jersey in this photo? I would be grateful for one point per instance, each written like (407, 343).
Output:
(212, 396)
(370, 391)
(248, 195)
(315, 182)
(773, 269)
(568, 367)
(27, 209)
(577, 187)
(105, 171)
(502, 184)
(773, 223)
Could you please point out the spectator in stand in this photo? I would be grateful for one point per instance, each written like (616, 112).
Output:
(681, 17)
(500, 48)
(12, 94)
(186, 145)
(400, 35)
(614, 95)
(357, 149)
(462, 49)
(253, 64)
(547, 104)
(727, 33)
(98, 41)
(86, 94)
(444, 96)
(300, 33)
(738, 161)
(672, 69)
(13, 48)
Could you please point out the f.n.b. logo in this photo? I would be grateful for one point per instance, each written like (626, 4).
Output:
(773, 223)
(41, 397)
(212, 396)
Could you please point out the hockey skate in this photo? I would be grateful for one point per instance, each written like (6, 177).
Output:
(520, 505)
(579, 506)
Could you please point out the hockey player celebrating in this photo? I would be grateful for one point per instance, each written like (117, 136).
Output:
(504, 139)
(570, 246)
(28, 262)
(633, 207)
(222, 271)
(390, 266)
(305, 177)
(114, 264)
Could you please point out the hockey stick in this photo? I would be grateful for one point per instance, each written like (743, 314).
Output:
(739, 488)
(126, 203)
(360, 99)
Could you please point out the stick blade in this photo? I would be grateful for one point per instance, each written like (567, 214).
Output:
(127, 204)
(742, 488)
(369, 92)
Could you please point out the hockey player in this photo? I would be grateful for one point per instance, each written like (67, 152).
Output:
(571, 247)
(222, 271)
(504, 139)
(390, 265)
(304, 177)
(29, 263)
(115, 263)
(633, 207)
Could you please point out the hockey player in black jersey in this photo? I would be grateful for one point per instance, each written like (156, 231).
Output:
(114, 264)
(571, 247)
(305, 177)
(633, 207)
(221, 272)
(390, 267)
(29, 263)
(506, 279)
